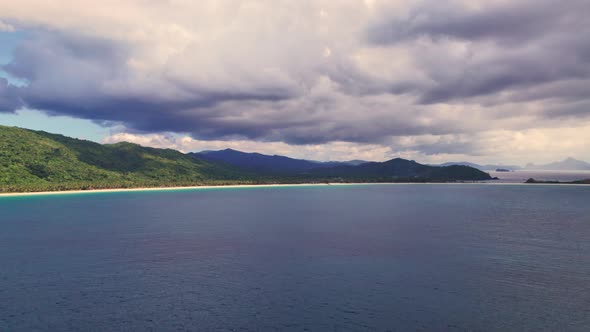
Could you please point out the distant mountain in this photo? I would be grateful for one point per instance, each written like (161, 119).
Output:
(402, 170)
(396, 170)
(459, 163)
(355, 162)
(488, 167)
(262, 163)
(569, 164)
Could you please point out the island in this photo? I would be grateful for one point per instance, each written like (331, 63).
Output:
(37, 161)
(533, 181)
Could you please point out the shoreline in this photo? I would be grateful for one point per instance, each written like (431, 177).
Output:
(143, 189)
(238, 186)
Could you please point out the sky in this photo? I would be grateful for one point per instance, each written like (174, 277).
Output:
(485, 81)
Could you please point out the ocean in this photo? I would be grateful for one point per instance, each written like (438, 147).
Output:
(400, 257)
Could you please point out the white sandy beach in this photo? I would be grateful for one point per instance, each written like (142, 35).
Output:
(68, 192)
(65, 192)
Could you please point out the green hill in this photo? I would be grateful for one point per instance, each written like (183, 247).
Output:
(38, 161)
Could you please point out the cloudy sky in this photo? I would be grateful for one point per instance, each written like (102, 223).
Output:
(485, 81)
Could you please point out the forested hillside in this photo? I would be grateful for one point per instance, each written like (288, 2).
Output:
(38, 161)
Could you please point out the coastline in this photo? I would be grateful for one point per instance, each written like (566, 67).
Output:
(92, 191)
(238, 186)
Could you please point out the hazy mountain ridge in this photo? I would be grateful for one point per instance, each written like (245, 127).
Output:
(568, 164)
(268, 163)
(487, 167)
(393, 170)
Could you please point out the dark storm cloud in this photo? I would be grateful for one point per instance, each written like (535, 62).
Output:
(504, 74)
(512, 46)
(510, 22)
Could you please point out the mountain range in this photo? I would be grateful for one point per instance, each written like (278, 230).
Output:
(488, 167)
(40, 161)
(393, 170)
(266, 163)
(568, 164)
(402, 170)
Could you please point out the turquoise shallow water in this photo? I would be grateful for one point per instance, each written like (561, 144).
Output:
(376, 257)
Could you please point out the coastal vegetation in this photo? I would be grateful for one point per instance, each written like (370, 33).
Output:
(32, 161)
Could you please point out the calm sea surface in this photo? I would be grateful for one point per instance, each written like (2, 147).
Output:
(327, 258)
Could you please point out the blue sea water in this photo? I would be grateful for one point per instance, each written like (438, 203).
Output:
(404, 257)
